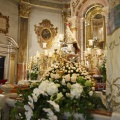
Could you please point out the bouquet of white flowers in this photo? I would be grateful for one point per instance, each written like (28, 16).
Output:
(64, 88)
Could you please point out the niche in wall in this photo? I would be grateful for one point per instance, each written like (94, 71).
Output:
(2, 60)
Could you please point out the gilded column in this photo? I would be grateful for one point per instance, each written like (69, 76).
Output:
(24, 11)
(12, 68)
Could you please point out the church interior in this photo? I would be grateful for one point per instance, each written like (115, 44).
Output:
(62, 52)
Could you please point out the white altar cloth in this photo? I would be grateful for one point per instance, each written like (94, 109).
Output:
(96, 117)
(115, 116)
(4, 107)
(3, 98)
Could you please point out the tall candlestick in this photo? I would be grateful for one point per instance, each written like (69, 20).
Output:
(23, 70)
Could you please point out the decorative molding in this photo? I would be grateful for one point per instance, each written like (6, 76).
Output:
(74, 4)
(24, 0)
(4, 23)
(45, 33)
(66, 15)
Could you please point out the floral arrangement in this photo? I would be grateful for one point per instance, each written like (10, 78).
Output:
(102, 69)
(33, 68)
(64, 88)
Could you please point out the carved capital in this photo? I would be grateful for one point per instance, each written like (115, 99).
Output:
(25, 9)
(65, 15)
(12, 56)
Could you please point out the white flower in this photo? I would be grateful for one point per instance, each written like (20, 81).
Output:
(28, 112)
(30, 102)
(67, 94)
(91, 93)
(48, 110)
(56, 76)
(67, 77)
(56, 106)
(73, 78)
(65, 70)
(52, 88)
(68, 71)
(76, 90)
(52, 75)
(35, 98)
(43, 85)
(53, 117)
(63, 82)
(36, 92)
(50, 114)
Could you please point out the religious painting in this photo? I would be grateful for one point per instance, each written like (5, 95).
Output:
(114, 19)
(4, 23)
(46, 33)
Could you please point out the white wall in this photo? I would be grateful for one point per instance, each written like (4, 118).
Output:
(36, 17)
(9, 9)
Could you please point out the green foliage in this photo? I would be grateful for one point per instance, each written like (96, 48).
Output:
(102, 69)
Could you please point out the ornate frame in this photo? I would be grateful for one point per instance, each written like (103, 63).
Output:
(45, 33)
(4, 23)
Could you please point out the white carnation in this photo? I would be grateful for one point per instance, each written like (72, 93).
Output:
(67, 77)
(52, 88)
(91, 93)
(76, 90)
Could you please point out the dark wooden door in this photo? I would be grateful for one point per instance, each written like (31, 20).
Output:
(2, 60)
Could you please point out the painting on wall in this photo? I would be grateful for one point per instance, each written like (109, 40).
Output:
(113, 19)
(46, 33)
(4, 23)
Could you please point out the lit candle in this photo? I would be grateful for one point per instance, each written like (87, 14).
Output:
(37, 54)
(50, 54)
(46, 53)
(99, 51)
(88, 50)
(91, 41)
(44, 45)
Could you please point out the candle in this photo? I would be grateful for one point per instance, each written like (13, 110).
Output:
(99, 51)
(91, 41)
(50, 54)
(44, 45)
(88, 50)
(46, 53)
(37, 54)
